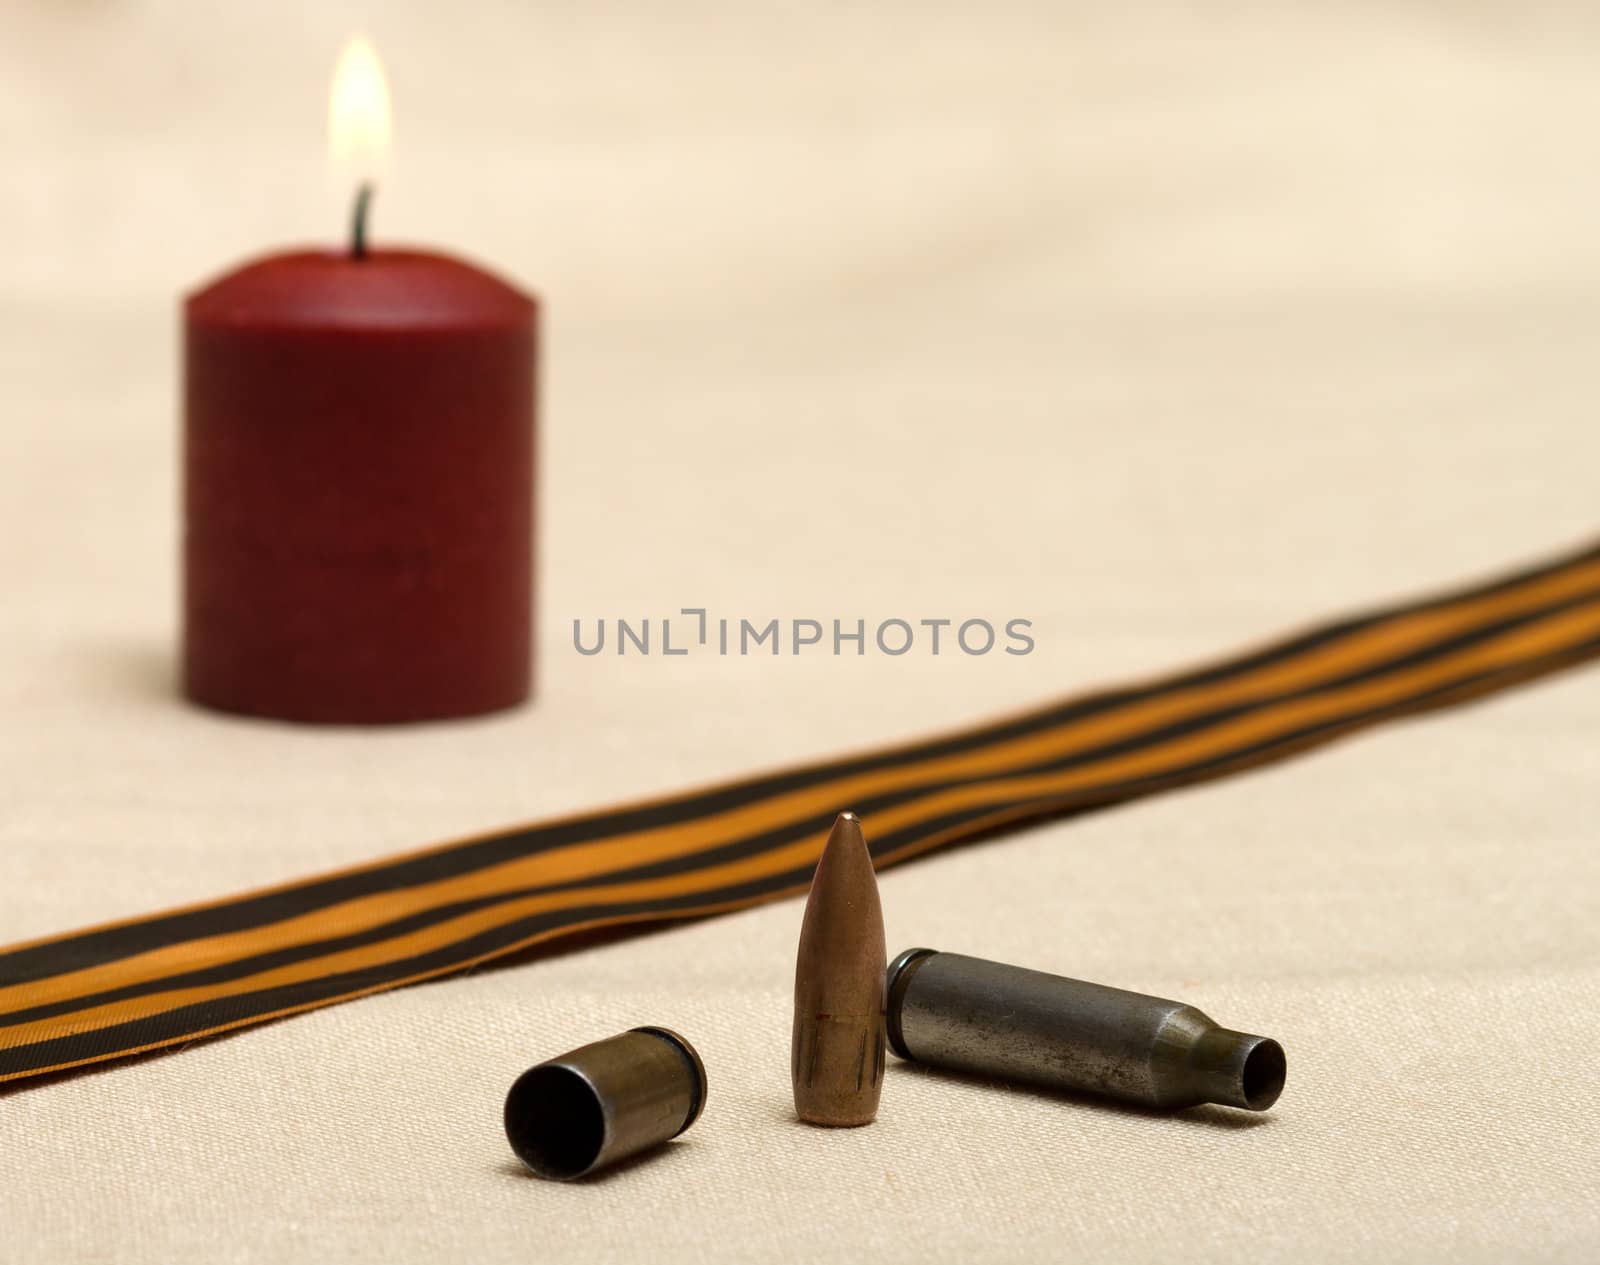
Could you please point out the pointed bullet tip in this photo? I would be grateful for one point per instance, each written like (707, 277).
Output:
(847, 837)
(846, 833)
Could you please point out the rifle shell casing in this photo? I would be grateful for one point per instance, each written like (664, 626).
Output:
(603, 1102)
(948, 1010)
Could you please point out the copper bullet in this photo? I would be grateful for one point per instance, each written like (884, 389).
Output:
(836, 1059)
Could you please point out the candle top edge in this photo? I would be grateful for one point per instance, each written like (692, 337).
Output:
(389, 288)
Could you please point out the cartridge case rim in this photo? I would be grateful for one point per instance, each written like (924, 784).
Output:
(898, 978)
(697, 1069)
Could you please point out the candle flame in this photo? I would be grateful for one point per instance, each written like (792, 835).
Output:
(358, 116)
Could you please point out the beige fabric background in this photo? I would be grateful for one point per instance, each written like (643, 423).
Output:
(1168, 328)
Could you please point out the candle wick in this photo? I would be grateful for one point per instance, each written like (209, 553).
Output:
(358, 222)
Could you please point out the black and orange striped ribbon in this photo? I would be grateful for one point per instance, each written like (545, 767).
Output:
(157, 981)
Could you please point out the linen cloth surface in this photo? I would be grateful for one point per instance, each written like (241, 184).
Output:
(1166, 330)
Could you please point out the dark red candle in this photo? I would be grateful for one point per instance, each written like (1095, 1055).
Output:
(358, 489)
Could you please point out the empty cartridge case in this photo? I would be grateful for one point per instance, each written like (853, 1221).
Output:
(603, 1102)
(948, 1010)
(836, 1056)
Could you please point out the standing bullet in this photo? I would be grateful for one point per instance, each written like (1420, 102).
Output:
(836, 1059)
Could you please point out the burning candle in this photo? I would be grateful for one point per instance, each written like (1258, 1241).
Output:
(358, 471)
